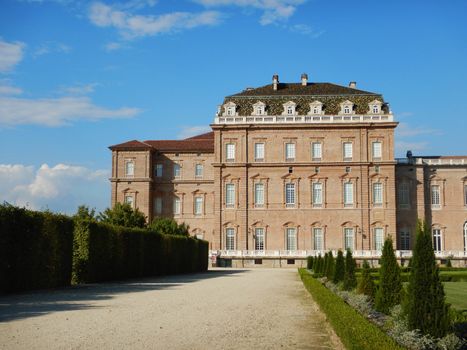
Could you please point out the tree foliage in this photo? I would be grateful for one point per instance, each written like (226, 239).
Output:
(122, 214)
(169, 227)
(330, 266)
(85, 213)
(390, 284)
(350, 280)
(339, 271)
(425, 307)
(366, 285)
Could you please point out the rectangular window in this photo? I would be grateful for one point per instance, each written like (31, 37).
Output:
(404, 237)
(259, 152)
(199, 170)
(317, 194)
(318, 238)
(347, 150)
(158, 170)
(176, 171)
(259, 238)
(465, 195)
(377, 194)
(290, 195)
(376, 150)
(348, 194)
(158, 205)
(177, 206)
(403, 195)
(198, 205)
(230, 152)
(435, 196)
(379, 238)
(290, 151)
(259, 195)
(129, 168)
(230, 239)
(348, 238)
(437, 246)
(291, 239)
(129, 200)
(316, 151)
(230, 195)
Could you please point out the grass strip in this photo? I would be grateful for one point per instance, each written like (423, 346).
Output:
(354, 330)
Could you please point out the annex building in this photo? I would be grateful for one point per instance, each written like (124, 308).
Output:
(296, 169)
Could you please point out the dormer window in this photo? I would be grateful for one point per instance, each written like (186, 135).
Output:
(346, 107)
(289, 108)
(316, 107)
(230, 109)
(374, 107)
(259, 108)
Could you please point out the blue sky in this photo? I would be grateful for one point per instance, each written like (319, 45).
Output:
(78, 76)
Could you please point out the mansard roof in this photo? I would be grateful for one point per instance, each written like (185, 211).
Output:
(199, 143)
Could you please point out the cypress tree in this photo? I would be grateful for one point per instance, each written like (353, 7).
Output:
(339, 271)
(324, 268)
(390, 285)
(330, 268)
(426, 308)
(366, 285)
(317, 265)
(309, 262)
(350, 281)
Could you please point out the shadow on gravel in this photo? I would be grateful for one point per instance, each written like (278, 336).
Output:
(80, 297)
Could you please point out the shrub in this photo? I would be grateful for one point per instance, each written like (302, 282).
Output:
(309, 262)
(390, 285)
(350, 281)
(353, 329)
(426, 308)
(35, 249)
(122, 214)
(330, 266)
(366, 285)
(169, 227)
(339, 271)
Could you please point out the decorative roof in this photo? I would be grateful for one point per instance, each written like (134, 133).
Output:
(199, 143)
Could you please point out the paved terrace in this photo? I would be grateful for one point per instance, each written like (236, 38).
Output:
(220, 309)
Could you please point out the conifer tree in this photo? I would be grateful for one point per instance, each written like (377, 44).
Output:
(366, 285)
(324, 268)
(340, 268)
(425, 307)
(309, 262)
(390, 284)
(330, 267)
(317, 264)
(350, 281)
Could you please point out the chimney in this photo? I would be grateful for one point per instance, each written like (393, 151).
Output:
(275, 81)
(304, 78)
(353, 84)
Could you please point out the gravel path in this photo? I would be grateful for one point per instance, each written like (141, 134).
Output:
(220, 309)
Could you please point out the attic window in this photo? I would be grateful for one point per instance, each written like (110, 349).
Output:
(347, 109)
(259, 108)
(375, 109)
(290, 110)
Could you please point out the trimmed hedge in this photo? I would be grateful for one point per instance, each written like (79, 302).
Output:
(353, 329)
(103, 252)
(35, 249)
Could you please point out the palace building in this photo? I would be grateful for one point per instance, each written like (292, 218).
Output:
(296, 169)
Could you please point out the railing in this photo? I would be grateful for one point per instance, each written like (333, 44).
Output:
(359, 254)
(432, 161)
(309, 119)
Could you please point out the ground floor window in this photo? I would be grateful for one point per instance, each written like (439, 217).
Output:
(465, 237)
(404, 239)
(318, 242)
(230, 239)
(437, 240)
(291, 242)
(348, 238)
(379, 238)
(259, 238)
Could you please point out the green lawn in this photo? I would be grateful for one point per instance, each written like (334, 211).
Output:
(456, 294)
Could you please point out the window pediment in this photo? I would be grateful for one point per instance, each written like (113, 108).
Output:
(259, 108)
(346, 107)
(374, 107)
(230, 109)
(316, 108)
(289, 108)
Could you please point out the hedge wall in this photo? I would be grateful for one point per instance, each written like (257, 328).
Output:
(35, 249)
(103, 252)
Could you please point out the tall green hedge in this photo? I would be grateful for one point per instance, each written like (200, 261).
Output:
(35, 249)
(104, 252)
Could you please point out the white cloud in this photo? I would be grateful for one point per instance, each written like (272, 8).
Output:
(132, 26)
(10, 55)
(7, 89)
(112, 46)
(60, 188)
(273, 10)
(306, 30)
(51, 47)
(403, 146)
(406, 130)
(189, 131)
(79, 89)
(56, 111)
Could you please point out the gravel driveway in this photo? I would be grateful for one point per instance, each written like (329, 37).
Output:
(220, 309)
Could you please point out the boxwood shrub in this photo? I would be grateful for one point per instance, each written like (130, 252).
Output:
(35, 249)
